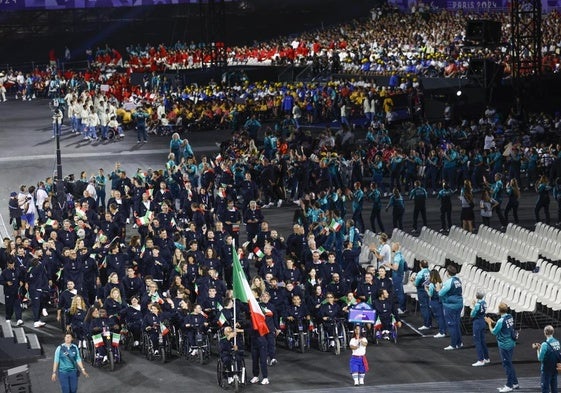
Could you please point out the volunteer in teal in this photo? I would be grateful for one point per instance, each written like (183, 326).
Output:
(398, 268)
(503, 329)
(478, 310)
(67, 362)
(422, 281)
(452, 303)
(548, 355)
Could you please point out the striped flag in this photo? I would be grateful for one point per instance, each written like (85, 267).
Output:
(97, 340)
(115, 339)
(378, 324)
(146, 219)
(242, 292)
(101, 237)
(257, 251)
(81, 214)
(222, 320)
(163, 329)
(335, 225)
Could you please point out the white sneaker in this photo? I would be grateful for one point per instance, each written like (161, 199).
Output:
(135, 344)
(424, 328)
(45, 313)
(8, 322)
(516, 386)
(38, 324)
(479, 363)
(156, 352)
(265, 381)
(128, 220)
(84, 344)
(361, 381)
(449, 348)
(439, 335)
(271, 204)
(230, 380)
(279, 203)
(19, 322)
(273, 362)
(400, 311)
(487, 361)
(254, 380)
(505, 389)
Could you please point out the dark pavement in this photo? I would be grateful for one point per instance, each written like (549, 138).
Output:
(415, 364)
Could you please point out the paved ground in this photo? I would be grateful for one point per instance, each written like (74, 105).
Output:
(415, 364)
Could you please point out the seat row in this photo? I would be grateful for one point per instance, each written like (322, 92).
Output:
(522, 251)
(419, 248)
(482, 247)
(453, 249)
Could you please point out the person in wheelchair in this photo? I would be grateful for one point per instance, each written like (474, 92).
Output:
(328, 314)
(76, 317)
(113, 304)
(97, 325)
(196, 322)
(132, 317)
(152, 322)
(386, 312)
(230, 352)
(295, 313)
(114, 125)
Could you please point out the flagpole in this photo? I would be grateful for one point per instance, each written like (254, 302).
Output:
(233, 298)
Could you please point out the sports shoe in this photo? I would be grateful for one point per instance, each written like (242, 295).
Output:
(265, 381)
(516, 386)
(156, 352)
(19, 322)
(400, 311)
(449, 348)
(356, 383)
(273, 362)
(8, 322)
(479, 363)
(424, 327)
(135, 344)
(45, 313)
(230, 380)
(487, 361)
(38, 324)
(279, 203)
(505, 389)
(361, 381)
(439, 335)
(254, 380)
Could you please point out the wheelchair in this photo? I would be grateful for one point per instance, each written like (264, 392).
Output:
(337, 340)
(297, 335)
(380, 334)
(200, 352)
(161, 352)
(92, 354)
(236, 371)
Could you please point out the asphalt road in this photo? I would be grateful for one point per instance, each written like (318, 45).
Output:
(415, 364)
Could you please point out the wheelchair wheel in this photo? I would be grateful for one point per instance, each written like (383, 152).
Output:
(322, 340)
(201, 355)
(162, 353)
(336, 346)
(344, 337)
(220, 374)
(302, 340)
(394, 334)
(110, 359)
(289, 338)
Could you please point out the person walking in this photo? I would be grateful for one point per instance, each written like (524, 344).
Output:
(67, 365)
(542, 188)
(358, 362)
(503, 329)
(396, 201)
(478, 310)
(549, 357)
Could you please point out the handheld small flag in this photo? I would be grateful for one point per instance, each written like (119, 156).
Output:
(258, 253)
(222, 320)
(378, 324)
(115, 339)
(164, 329)
(335, 225)
(97, 340)
(282, 324)
(81, 214)
(146, 219)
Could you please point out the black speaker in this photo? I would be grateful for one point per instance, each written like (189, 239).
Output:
(483, 32)
(484, 72)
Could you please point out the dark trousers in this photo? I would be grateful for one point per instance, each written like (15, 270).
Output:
(446, 215)
(423, 211)
(514, 207)
(259, 356)
(506, 357)
(271, 347)
(479, 328)
(12, 304)
(452, 317)
(424, 306)
(545, 206)
(359, 222)
(37, 302)
(549, 382)
(376, 215)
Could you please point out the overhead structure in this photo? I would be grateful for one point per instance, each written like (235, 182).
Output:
(526, 36)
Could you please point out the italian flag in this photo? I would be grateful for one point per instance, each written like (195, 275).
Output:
(81, 214)
(101, 237)
(335, 225)
(97, 340)
(50, 222)
(257, 251)
(163, 329)
(115, 339)
(378, 324)
(222, 320)
(242, 292)
(145, 220)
